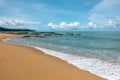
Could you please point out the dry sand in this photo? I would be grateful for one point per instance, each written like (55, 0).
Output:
(23, 63)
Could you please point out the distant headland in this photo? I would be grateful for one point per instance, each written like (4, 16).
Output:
(7, 29)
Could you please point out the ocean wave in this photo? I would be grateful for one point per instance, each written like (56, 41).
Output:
(102, 55)
(108, 70)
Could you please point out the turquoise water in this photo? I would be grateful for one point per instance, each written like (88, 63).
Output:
(101, 48)
(103, 45)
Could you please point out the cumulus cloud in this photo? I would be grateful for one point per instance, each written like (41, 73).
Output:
(110, 24)
(76, 25)
(6, 23)
(64, 25)
(91, 25)
(16, 23)
(113, 23)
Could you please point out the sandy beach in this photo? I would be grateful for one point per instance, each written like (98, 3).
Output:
(23, 63)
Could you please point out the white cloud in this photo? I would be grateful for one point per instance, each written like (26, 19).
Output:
(2, 22)
(16, 23)
(113, 24)
(22, 10)
(105, 10)
(91, 25)
(51, 25)
(64, 25)
(14, 9)
(11, 22)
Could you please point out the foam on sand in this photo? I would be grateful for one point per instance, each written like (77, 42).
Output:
(21, 63)
(111, 71)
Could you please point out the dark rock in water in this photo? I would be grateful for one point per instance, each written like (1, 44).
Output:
(25, 36)
(52, 34)
(73, 34)
(44, 34)
(47, 34)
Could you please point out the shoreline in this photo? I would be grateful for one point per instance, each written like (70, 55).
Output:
(35, 65)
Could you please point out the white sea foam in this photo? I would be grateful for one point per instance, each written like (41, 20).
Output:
(111, 71)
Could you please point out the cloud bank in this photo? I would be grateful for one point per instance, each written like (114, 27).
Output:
(17, 24)
(90, 25)
(11, 23)
(103, 15)
(64, 25)
(114, 23)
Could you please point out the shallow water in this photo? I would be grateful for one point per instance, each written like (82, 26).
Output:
(98, 52)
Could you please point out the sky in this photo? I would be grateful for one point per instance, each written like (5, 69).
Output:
(60, 14)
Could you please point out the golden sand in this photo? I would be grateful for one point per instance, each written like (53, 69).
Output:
(23, 63)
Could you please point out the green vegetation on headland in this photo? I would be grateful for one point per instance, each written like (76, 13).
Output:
(33, 33)
(6, 29)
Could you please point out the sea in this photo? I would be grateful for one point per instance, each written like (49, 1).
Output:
(94, 51)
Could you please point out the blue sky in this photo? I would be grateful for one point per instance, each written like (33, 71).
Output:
(60, 14)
